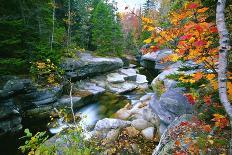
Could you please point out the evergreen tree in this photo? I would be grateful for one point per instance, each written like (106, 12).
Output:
(106, 30)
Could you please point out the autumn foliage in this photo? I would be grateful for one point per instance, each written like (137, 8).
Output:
(194, 38)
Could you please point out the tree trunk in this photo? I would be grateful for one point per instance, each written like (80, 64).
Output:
(223, 59)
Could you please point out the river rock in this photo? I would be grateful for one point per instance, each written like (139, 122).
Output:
(112, 135)
(148, 133)
(131, 131)
(123, 114)
(115, 78)
(130, 74)
(140, 124)
(87, 65)
(108, 123)
(153, 60)
(171, 104)
(122, 88)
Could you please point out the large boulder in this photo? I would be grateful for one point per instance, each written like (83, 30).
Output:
(10, 117)
(171, 105)
(87, 65)
(153, 60)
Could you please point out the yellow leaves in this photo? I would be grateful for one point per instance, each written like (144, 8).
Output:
(150, 28)
(210, 76)
(40, 65)
(174, 57)
(220, 121)
(147, 20)
(202, 10)
(191, 40)
(148, 41)
(229, 86)
(186, 80)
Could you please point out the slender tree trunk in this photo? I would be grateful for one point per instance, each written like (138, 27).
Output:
(53, 23)
(223, 59)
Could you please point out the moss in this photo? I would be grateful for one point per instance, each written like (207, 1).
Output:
(159, 88)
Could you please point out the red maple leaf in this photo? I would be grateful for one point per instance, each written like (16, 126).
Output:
(213, 29)
(207, 100)
(199, 43)
(186, 37)
(192, 6)
(190, 98)
(199, 28)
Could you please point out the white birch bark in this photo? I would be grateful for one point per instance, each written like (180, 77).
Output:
(223, 56)
(223, 59)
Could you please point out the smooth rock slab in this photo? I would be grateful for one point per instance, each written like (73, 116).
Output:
(121, 88)
(88, 65)
(130, 74)
(115, 78)
(108, 123)
(141, 124)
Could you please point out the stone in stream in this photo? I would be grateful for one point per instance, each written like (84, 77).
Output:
(123, 114)
(110, 123)
(148, 133)
(141, 124)
(131, 131)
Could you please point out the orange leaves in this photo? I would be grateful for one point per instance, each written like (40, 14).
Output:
(207, 128)
(177, 143)
(197, 76)
(202, 10)
(220, 121)
(207, 100)
(210, 76)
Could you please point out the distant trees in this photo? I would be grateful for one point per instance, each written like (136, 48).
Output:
(32, 31)
(105, 28)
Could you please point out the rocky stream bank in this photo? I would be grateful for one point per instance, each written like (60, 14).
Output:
(141, 122)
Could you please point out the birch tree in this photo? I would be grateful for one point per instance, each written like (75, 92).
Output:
(224, 48)
(223, 53)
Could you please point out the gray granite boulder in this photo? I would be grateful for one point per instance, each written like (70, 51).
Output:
(88, 65)
(171, 105)
(153, 61)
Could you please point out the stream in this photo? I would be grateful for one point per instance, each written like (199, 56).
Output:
(93, 112)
